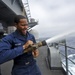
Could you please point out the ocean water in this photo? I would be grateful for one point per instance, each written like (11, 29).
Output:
(70, 42)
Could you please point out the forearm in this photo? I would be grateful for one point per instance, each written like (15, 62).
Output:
(6, 55)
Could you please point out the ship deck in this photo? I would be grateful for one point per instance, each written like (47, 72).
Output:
(42, 63)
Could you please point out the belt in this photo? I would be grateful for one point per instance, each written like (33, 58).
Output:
(24, 63)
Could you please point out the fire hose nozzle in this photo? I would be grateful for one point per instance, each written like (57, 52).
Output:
(35, 46)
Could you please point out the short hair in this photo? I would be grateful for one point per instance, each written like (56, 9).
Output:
(18, 17)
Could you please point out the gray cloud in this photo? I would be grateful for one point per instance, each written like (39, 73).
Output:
(55, 16)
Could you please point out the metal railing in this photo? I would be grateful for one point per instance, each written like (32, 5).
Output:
(66, 60)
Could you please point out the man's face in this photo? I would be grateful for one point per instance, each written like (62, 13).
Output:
(22, 26)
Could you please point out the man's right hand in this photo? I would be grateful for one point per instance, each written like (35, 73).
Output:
(27, 44)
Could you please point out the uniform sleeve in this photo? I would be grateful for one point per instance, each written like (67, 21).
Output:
(34, 39)
(6, 53)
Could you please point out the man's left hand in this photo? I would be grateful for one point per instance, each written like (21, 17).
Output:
(35, 53)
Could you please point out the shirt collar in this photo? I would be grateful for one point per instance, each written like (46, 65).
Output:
(20, 36)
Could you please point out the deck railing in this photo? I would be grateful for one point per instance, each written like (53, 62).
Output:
(67, 62)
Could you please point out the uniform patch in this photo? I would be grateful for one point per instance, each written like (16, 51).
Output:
(18, 44)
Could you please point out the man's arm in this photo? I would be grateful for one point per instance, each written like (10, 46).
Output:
(6, 53)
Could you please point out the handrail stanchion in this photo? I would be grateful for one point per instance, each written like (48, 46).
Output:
(66, 54)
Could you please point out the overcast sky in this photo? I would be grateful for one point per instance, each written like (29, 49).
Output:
(54, 16)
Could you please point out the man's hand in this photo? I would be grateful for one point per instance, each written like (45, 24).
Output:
(35, 53)
(27, 44)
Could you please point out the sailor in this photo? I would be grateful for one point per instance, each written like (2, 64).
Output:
(13, 46)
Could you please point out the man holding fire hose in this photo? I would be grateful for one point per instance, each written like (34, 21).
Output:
(13, 46)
